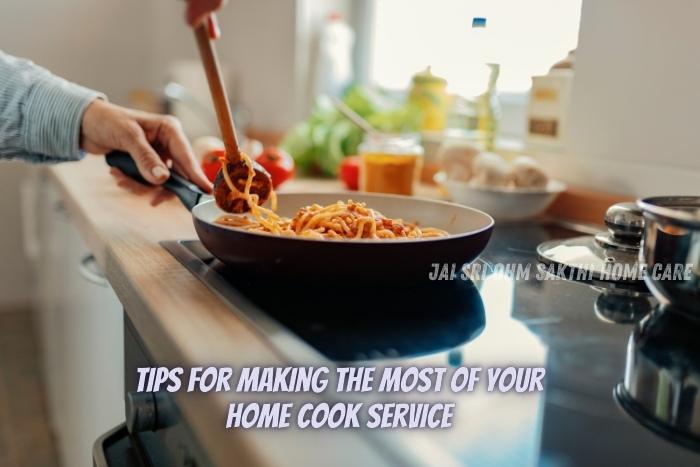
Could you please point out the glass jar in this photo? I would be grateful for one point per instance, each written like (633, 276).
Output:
(390, 163)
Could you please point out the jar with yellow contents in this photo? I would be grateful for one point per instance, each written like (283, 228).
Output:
(390, 163)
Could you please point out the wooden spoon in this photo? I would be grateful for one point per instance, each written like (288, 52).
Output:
(237, 168)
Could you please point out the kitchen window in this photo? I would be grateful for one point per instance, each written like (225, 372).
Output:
(525, 38)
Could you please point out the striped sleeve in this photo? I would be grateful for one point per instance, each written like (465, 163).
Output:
(40, 114)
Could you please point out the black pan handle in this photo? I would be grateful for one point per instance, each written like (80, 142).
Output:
(187, 192)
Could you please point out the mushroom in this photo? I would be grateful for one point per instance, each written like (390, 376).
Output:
(528, 173)
(489, 169)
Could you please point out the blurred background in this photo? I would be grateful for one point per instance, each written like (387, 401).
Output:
(625, 106)
(272, 52)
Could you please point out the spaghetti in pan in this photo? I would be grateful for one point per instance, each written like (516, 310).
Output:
(336, 221)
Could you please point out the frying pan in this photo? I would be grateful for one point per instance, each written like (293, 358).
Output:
(311, 262)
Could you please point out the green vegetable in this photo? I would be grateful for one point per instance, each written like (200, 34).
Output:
(326, 137)
(298, 142)
(332, 153)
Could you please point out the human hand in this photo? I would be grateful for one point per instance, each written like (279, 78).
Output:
(199, 10)
(156, 142)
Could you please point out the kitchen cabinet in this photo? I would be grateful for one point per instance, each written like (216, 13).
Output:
(80, 325)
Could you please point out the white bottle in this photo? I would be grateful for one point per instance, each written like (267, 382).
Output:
(334, 70)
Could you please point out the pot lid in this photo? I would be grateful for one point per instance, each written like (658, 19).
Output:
(608, 257)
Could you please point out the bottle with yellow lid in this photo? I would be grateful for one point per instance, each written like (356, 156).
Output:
(390, 163)
(429, 92)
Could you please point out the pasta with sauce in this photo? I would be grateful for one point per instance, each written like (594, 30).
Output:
(337, 221)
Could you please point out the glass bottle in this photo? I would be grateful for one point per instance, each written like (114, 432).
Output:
(489, 110)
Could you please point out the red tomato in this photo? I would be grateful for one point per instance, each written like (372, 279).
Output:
(278, 163)
(350, 172)
(211, 164)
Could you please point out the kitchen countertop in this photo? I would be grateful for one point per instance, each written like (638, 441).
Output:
(180, 321)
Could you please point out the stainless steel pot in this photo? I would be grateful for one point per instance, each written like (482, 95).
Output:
(661, 386)
(671, 250)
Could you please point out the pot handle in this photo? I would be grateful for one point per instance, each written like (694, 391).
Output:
(187, 192)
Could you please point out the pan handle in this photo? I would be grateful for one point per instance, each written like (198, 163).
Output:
(187, 192)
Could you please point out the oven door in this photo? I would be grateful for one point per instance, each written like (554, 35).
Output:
(119, 448)
(155, 434)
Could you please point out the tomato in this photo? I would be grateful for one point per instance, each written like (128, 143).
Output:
(211, 164)
(278, 163)
(350, 172)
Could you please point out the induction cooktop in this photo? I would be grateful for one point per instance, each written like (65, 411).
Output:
(494, 315)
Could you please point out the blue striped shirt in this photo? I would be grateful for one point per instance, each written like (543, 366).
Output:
(40, 114)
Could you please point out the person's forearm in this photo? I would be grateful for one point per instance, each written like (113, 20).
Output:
(40, 114)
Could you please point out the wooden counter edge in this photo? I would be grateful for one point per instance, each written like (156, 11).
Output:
(584, 205)
(164, 349)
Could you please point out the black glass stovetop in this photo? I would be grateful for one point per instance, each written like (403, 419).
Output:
(578, 332)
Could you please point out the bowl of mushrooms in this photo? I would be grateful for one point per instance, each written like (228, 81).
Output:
(514, 191)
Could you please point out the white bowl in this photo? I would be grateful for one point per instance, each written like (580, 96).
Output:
(502, 203)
